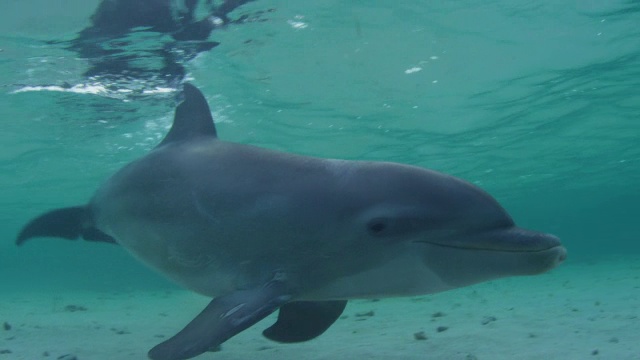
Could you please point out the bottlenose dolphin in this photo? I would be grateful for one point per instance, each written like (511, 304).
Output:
(261, 230)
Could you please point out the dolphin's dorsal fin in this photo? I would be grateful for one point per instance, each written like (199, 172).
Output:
(192, 119)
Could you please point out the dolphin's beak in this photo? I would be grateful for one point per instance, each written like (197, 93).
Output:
(469, 258)
(510, 239)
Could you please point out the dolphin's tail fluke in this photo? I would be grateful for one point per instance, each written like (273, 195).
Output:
(68, 223)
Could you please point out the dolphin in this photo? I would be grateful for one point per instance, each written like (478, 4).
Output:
(261, 231)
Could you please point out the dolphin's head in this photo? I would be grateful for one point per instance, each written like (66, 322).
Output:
(441, 232)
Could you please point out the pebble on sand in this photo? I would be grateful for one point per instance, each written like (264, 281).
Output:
(420, 335)
(67, 357)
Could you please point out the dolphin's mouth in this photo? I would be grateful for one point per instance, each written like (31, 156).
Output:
(512, 239)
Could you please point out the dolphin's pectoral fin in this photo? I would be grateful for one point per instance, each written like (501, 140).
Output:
(68, 223)
(224, 317)
(304, 320)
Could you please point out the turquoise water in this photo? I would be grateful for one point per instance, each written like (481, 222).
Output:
(539, 104)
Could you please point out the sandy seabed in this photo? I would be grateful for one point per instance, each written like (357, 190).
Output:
(582, 310)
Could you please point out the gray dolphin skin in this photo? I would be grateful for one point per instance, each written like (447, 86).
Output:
(261, 231)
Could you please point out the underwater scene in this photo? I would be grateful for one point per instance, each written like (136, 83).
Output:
(269, 179)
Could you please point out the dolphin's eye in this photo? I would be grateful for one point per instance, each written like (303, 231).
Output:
(395, 227)
(376, 226)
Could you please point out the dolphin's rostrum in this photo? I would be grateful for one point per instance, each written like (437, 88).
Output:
(260, 230)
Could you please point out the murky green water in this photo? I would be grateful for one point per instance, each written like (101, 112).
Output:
(538, 103)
